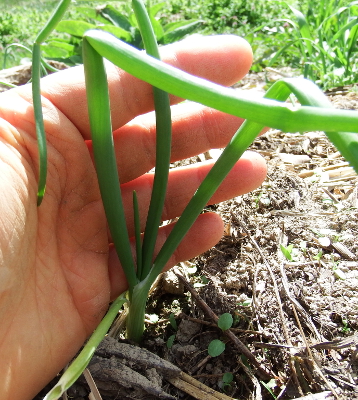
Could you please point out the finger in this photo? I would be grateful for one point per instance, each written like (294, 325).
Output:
(223, 59)
(247, 174)
(194, 243)
(196, 129)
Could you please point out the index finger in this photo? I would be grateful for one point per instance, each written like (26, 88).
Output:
(221, 59)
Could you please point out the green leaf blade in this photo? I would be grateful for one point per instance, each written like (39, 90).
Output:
(179, 32)
(74, 28)
(225, 321)
(216, 347)
(115, 17)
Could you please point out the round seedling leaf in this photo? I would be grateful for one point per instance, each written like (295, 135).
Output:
(228, 378)
(225, 321)
(216, 347)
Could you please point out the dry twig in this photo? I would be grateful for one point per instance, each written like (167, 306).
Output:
(196, 389)
(277, 295)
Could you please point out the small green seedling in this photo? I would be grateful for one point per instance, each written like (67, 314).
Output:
(170, 341)
(346, 329)
(269, 386)
(318, 256)
(225, 321)
(174, 325)
(173, 322)
(204, 281)
(216, 347)
(227, 378)
(288, 252)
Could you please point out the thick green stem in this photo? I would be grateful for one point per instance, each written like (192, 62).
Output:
(136, 312)
(105, 158)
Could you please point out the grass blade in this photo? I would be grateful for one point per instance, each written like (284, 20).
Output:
(304, 28)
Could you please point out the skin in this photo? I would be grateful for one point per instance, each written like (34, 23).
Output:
(58, 269)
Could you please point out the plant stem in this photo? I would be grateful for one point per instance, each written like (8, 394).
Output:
(139, 294)
(136, 312)
(76, 368)
(36, 94)
(39, 122)
(163, 145)
(264, 111)
(138, 242)
(105, 158)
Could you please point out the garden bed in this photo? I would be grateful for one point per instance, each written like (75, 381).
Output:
(297, 315)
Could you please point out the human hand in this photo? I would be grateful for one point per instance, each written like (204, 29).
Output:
(58, 269)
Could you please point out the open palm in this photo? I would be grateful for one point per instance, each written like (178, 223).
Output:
(58, 269)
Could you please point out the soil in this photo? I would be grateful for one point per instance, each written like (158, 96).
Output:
(287, 272)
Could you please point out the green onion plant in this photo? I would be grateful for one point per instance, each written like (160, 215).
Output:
(315, 113)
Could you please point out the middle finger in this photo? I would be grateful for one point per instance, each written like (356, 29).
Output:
(247, 174)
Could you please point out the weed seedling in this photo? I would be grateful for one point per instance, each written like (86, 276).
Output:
(346, 329)
(173, 324)
(227, 378)
(216, 346)
(290, 252)
(269, 386)
(225, 321)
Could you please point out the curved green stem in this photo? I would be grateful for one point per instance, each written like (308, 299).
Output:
(105, 158)
(263, 111)
(10, 46)
(76, 368)
(40, 128)
(36, 94)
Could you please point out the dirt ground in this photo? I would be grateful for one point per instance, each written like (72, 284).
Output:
(295, 317)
